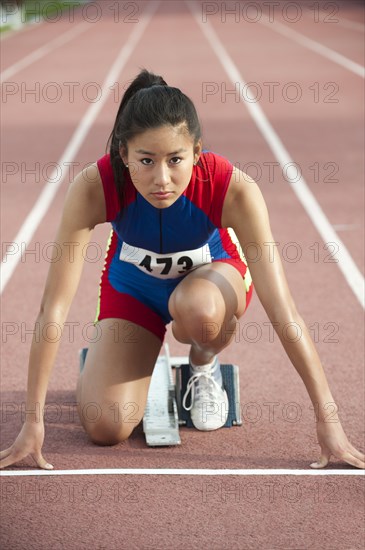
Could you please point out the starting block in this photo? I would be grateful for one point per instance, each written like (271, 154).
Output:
(164, 413)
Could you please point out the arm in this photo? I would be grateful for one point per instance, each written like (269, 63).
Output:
(245, 211)
(84, 208)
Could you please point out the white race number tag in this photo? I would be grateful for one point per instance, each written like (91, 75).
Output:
(165, 266)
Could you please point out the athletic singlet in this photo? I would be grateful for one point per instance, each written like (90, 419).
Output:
(168, 243)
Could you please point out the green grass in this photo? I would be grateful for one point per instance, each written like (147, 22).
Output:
(45, 9)
(4, 28)
(38, 10)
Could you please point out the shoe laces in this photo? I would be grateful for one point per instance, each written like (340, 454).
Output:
(207, 384)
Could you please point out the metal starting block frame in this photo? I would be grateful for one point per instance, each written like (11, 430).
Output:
(164, 412)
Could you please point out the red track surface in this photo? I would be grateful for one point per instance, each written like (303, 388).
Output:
(327, 141)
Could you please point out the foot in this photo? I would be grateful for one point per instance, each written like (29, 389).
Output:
(209, 401)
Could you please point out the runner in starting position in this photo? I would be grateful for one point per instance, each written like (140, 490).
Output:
(180, 218)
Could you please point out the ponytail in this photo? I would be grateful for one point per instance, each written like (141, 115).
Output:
(147, 103)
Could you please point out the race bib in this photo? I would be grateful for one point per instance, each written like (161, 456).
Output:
(165, 266)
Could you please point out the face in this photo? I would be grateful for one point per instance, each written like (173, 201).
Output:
(160, 163)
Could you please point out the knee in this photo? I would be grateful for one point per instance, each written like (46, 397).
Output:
(108, 433)
(202, 316)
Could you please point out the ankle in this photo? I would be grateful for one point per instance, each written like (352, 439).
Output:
(200, 357)
(213, 369)
(202, 366)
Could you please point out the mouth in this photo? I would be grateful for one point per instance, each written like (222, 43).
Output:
(162, 195)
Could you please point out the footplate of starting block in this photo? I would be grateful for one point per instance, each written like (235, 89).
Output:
(230, 375)
(161, 420)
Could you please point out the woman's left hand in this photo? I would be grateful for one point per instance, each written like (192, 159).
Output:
(333, 441)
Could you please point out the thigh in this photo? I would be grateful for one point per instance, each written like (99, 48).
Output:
(113, 385)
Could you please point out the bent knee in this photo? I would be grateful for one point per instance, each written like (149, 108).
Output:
(200, 318)
(199, 308)
(107, 433)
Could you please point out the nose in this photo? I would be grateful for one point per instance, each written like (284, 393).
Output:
(161, 175)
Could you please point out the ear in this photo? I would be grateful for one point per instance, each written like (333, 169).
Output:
(197, 150)
(123, 154)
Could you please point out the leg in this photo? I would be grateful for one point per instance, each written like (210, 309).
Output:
(205, 307)
(113, 386)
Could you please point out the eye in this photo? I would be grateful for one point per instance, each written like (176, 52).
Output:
(175, 160)
(146, 161)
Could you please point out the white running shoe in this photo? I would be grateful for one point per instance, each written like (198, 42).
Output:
(209, 402)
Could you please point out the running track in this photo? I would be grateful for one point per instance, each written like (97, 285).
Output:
(309, 76)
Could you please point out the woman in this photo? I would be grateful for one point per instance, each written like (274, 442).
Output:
(180, 217)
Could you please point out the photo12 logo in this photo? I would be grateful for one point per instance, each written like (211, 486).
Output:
(269, 11)
(67, 10)
(270, 92)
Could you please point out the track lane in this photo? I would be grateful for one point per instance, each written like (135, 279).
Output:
(15, 47)
(33, 219)
(37, 54)
(267, 514)
(254, 387)
(320, 30)
(316, 90)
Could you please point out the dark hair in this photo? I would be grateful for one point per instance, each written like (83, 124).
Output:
(148, 103)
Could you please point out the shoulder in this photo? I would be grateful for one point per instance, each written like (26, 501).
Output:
(108, 187)
(215, 165)
(209, 183)
(85, 196)
(88, 181)
(104, 167)
(243, 199)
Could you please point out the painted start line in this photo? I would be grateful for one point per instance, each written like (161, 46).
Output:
(184, 472)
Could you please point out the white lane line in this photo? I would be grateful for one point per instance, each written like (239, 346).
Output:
(345, 226)
(353, 25)
(180, 472)
(315, 46)
(43, 50)
(35, 216)
(346, 264)
(12, 32)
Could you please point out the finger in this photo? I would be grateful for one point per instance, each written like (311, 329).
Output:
(5, 453)
(41, 462)
(10, 459)
(353, 460)
(357, 453)
(323, 461)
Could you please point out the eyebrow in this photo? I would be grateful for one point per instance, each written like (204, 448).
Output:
(143, 152)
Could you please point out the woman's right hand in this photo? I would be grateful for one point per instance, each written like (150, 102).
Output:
(28, 442)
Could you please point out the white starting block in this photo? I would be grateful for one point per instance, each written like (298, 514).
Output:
(161, 415)
(164, 413)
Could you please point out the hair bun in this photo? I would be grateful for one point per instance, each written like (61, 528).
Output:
(146, 79)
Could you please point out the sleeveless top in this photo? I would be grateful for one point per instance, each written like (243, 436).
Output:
(167, 243)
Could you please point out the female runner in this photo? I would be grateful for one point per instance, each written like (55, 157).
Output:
(180, 218)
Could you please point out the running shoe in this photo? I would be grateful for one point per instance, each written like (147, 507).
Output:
(208, 399)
